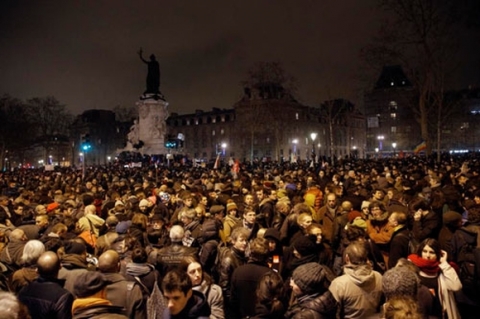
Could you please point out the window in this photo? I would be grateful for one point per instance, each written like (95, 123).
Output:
(393, 115)
(393, 129)
(296, 116)
(213, 132)
(222, 131)
(268, 140)
(393, 105)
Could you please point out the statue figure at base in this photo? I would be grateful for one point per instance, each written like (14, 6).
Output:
(153, 75)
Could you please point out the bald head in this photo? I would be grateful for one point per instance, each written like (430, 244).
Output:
(48, 265)
(109, 261)
(17, 234)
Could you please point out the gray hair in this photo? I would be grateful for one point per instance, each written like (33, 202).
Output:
(32, 251)
(177, 233)
(10, 306)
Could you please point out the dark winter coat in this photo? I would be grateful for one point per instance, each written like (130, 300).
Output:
(46, 298)
(398, 246)
(313, 307)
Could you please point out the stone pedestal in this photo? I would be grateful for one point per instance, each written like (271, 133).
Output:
(150, 129)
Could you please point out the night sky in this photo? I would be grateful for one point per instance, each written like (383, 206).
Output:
(85, 52)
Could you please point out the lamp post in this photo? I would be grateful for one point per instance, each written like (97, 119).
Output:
(376, 151)
(294, 154)
(394, 146)
(313, 136)
(224, 146)
(380, 143)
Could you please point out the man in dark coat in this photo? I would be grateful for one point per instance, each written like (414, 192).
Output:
(45, 297)
(400, 238)
(245, 279)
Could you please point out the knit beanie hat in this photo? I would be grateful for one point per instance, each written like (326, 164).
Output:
(231, 205)
(272, 233)
(399, 282)
(304, 245)
(310, 278)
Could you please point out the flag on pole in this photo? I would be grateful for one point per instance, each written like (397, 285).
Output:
(217, 162)
(420, 147)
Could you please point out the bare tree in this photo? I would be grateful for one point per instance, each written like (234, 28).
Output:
(15, 129)
(333, 111)
(49, 118)
(420, 35)
(266, 88)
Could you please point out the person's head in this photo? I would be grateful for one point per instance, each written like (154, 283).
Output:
(249, 216)
(90, 284)
(239, 237)
(332, 200)
(40, 210)
(194, 269)
(41, 221)
(11, 307)
(354, 232)
(315, 230)
(378, 194)
(177, 233)
(397, 218)
(304, 220)
(17, 235)
(270, 291)
(303, 246)
(377, 209)
(140, 220)
(399, 281)
(144, 205)
(177, 290)
(272, 235)
(111, 222)
(283, 207)
(60, 229)
(430, 249)
(139, 255)
(187, 215)
(355, 254)
(48, 265)
(232, 208)
(249, 200)
(109, 262)
(310, 278)
(259, 250)
(32, 250)
(402, 308)
(259, 192)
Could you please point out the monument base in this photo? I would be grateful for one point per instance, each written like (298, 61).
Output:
(150, 129)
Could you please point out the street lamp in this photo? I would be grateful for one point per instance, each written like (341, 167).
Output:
(294, 154)
(394, 145)
(224, 146)
(313, 136)
(376, 151)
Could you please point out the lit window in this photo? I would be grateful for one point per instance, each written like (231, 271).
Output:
(268, 140)
(214, 120)
(393, 129)
(296, 116)
(196, 122)
(221, 131)
(392, 83)
(213, 132)
(393, 115)
(393, 105)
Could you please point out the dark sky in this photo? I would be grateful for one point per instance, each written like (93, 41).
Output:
(85, 52)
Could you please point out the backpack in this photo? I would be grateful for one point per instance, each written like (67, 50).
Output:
(467, 256)
(156, 303)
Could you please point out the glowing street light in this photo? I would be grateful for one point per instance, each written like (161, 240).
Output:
(313, 136)
(394, 146)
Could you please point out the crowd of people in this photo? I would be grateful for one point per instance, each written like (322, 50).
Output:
(364, 238)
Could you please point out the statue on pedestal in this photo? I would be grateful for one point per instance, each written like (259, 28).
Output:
(153, 75)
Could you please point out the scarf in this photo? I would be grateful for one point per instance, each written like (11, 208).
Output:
(430, 267)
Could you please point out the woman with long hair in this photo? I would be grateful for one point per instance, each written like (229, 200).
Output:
(439, 276)
(202, 282)
(270, 297)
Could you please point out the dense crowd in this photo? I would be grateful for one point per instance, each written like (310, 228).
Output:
(377, 238)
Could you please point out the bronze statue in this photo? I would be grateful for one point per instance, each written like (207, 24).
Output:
(153, 75)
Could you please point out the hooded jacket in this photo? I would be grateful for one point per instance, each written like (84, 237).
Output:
(358, 291)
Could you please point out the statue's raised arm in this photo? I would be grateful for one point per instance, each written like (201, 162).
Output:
(153, 75)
